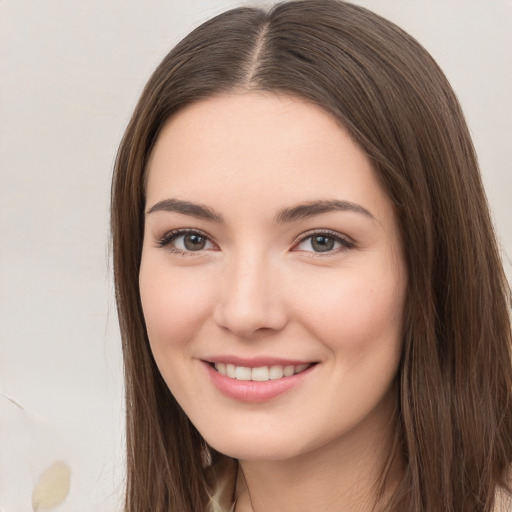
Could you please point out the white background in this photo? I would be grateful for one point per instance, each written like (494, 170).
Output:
(70, 74)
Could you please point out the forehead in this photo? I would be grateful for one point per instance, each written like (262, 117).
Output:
(251, 144)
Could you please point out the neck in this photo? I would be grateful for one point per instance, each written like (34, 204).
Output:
(345, 474)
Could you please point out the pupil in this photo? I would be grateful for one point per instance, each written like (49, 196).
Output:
(194, 242)
(322, 243)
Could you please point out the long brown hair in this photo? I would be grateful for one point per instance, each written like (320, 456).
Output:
(454, 419)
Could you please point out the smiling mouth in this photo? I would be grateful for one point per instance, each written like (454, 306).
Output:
(260, 374)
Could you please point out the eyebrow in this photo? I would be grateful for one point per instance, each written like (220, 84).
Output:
(186, 208)
(306, 210)
(291, 214)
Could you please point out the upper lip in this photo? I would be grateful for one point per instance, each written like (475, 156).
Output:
(256, 362)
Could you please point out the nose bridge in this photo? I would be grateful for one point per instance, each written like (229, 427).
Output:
(251, 298)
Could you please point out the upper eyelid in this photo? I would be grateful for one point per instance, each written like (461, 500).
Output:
(186, 231)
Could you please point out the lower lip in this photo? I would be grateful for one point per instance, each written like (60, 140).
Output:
(254, 391)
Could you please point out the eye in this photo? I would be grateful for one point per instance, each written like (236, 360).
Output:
(185, 242)
(323, 242)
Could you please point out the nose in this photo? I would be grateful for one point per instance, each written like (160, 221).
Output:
(251, 298)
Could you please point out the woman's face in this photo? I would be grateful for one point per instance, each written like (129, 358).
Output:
(272, 278)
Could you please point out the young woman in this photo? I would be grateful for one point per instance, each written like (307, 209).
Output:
(313, 309)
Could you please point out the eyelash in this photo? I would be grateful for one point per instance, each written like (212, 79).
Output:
(345, 244)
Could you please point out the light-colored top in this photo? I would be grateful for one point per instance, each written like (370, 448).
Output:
(228, 483)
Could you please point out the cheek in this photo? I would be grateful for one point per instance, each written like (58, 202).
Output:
(174, 306)
(358, 314)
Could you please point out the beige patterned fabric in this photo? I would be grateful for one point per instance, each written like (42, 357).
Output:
(223, 481)
(503, 501)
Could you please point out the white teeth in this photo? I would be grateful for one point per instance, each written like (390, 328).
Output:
(301, 367)
(260, 374)
(243, 373)
(230, 371)
(289, 370)
(276, 372)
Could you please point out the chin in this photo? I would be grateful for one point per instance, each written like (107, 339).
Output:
(263, 451)
(274, 446)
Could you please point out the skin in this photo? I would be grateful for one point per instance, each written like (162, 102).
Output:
(260, 288)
